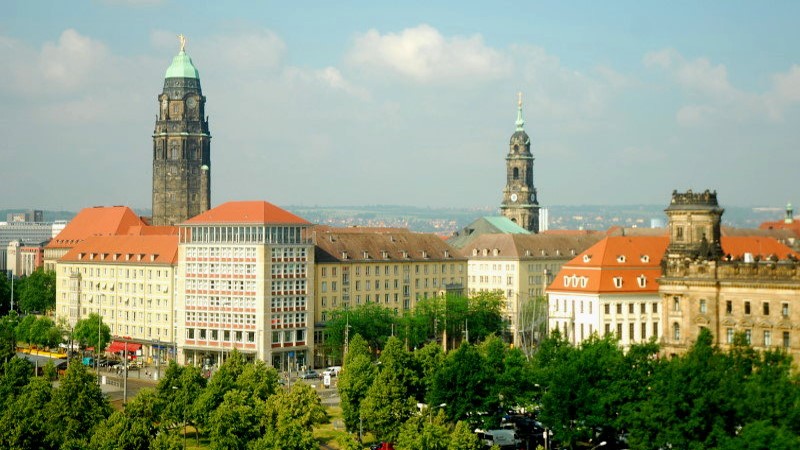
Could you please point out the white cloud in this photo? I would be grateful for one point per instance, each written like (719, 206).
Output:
(713, 97)
(423, 54)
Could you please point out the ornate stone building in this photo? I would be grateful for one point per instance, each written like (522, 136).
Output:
(519, 196)
(181, 146)
(727, 284)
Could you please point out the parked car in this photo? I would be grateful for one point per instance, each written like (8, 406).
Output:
(309, 375)
(382, 446)
(332, 371)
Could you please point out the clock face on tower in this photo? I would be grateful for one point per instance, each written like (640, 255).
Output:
(191, 102)
(513, 197)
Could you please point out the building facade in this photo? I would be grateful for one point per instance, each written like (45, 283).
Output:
(611, 288)
(520, 203)
(26, 233)
(129, 281)
(520, 267)
(245, 280)
(748, 285)
(181, 146)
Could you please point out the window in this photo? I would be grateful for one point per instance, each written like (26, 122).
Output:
(619, 308)
(679, 233)
(767, 338)
(676, 303)
(786, 339)
(630, 331)
(644, 331)
(608, 329)
(729, 307)
(630, 308)
(785, 309)
(655, 308)
(747, 308)
(607, 308)
(643, 308)
(766, 308)
(748, 336)
(617, 282)
(619, 331)
(729, 335)
(676, 332)
(655, 329)
(703, 309)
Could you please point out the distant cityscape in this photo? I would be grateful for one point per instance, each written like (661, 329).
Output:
(445, 221)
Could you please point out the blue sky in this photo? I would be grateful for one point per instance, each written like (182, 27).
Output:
(411, 103)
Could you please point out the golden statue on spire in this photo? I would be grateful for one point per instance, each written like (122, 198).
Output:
(182, 40)
(519, 98)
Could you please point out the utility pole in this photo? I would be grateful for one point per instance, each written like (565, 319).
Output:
(466, 330)
(12, 291)
(346, 337)
(125, 376)
(97, 359)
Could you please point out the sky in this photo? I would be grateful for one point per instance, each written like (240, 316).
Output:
(406, 103)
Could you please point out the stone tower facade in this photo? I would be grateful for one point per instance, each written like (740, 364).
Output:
(181, 146)
(520, 203)
(694, 225)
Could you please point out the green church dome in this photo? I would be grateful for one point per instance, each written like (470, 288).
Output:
(182, 67)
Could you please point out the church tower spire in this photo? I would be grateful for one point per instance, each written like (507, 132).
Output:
(520, 202)
(181, 145)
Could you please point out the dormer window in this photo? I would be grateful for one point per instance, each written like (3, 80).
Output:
(621, 258)
(584, 280)
(575, 280)
(642, 280)
(495, 252)
(474, 252)
(485, 252)
(617, 282)
(645, 258)
(366, 254)
(446, 253)
(587, 258)
(384, 254)
(344, 255)
(424, 254)
(567, 280)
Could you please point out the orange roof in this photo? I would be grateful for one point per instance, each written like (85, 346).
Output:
(250, 212)
(631, 262)
(96, 221)
(152, 230)
(794, 225)
(737, 246)
(126, 249)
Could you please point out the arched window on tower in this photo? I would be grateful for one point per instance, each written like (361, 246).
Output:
(676, 332)
(516, 173)
(174, 152)
(516, 148)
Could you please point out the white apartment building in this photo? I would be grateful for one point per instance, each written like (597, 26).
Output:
(245, 281)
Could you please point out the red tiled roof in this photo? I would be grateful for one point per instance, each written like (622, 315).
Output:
(96, 221)
(616, 257)
(794, 225)
(737, 246)
(131, 249)
(164, 230)
(249, 212)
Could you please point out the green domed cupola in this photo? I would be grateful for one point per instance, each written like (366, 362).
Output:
(182, 66)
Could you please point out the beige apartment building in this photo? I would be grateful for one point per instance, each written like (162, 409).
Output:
(389, 266)
(129, 281)
(521, 266)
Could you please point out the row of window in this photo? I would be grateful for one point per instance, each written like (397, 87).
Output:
(619, 307)
(297, 286)
(631, 333)
(288, 302)
(220, 252)
(245, 234)
(220, 268)
(222, 301)
(746, 307)
(221, 318)
(233, 286)
(748, 335)
(122, 273)
(221, 335)
(289, 253)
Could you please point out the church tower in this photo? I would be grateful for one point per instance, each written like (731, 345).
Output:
(519, 196)
(694, 225)
(181, 146)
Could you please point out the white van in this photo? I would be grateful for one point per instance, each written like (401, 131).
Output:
(332, 371)
(503, 438)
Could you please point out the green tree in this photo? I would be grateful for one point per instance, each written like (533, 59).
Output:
(23, 329)
(87, 334)
(387, 405)
(355, 380)
(234, 423)
(463, 438)
(218, 385)
(461, 383)
(38, 291)
(76, 408)
(132, 428)
(176, 392)
(8, 340)
(5, 294)
(761, 435)
(371, 320)
(428, 359)
(15, 376)
(25, 420)
(532, 324)
(484, 316)
(426, 430)
(288, 420)
(44, 333)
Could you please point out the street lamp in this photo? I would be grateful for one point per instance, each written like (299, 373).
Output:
(602, 444)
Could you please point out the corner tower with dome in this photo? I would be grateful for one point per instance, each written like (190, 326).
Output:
(181, 146)
(519, 196)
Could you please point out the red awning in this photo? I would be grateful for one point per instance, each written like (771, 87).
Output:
(118, 347)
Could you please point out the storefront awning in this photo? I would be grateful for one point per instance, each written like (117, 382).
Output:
(117, 346)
